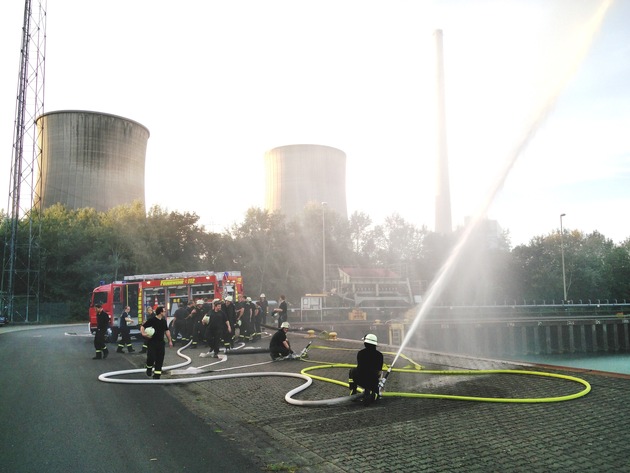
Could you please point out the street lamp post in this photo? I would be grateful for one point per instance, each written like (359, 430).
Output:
(323, 260)
(323, 247)
(564, 278)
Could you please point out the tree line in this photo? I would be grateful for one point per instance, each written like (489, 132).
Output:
(80, 248)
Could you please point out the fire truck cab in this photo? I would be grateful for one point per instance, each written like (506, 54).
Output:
(170, 290)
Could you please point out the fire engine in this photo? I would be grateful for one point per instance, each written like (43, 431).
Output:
(170, 290)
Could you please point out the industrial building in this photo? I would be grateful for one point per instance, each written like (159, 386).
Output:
(299, 174)
(373, 287)
(91, 159)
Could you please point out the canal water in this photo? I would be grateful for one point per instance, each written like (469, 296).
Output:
(613, 363)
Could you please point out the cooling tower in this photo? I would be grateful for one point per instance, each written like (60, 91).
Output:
(91, 159)
(298, 174)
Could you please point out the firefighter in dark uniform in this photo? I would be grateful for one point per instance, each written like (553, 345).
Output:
(279, 346)
(123, 327)
(256, 318)
(368, 370)
(150, 313)
(246, 320)
(218, 325)
(282, 310)
(201, 309)
(240, 312)
(188, 323)
(179, 325)
(156, 350)
(264, 308)
(102, 324)
(230, 310)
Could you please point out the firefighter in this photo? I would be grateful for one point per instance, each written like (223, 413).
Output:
(281, 310)
(156, 351)
(102, 324)
(246, 320)
(179, 325)
(196, 315)
(367, 373)
(264, 308)
(188, 323)
(149, 313)
(230, 311)
(256, 318)
(279, 346)
(123, 327)
(240, 313)
(218, 324)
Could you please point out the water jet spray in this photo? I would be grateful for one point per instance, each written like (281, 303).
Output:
(570, 67)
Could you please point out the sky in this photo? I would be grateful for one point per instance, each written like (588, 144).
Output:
(219, 82)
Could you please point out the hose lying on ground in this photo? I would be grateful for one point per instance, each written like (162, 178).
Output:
(308, 378)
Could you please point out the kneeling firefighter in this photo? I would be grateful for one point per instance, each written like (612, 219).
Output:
(368, 370)
(279, 346)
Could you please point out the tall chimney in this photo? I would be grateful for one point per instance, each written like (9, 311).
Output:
(443, 223)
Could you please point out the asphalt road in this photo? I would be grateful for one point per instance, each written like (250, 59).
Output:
(57, 417)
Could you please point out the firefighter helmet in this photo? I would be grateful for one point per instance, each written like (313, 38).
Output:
(229, 298)
(263, 295)
(371, 339)
(199, 302)
(149, 332)
(285, 325)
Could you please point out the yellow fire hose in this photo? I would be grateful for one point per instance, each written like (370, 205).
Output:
(417, 369)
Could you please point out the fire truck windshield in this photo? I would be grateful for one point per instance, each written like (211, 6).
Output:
(99, 298)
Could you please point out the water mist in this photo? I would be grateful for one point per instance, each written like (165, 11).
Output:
(576, 57)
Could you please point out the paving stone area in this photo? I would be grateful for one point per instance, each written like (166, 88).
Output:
(401, 434)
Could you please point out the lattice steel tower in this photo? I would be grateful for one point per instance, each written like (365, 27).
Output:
(21, 227)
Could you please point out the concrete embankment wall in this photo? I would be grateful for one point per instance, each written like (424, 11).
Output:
(492, 338)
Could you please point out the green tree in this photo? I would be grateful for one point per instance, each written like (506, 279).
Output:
(258, 243)
(359, 226)
(80, 248)
(71, 258)
(397, 241)
(173, 242)
(538, 269)
(588, 270)
(122, 239)
(619, 263)
(594, 267)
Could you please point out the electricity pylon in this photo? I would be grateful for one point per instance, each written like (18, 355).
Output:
(21, 226)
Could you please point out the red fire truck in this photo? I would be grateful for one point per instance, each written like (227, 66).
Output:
(170, 290)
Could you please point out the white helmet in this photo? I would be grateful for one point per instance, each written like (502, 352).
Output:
(285, 325)
(249, 299)
(263, 295)
(371, 339)
(199, 302)
(229, 298)
(149, 332)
